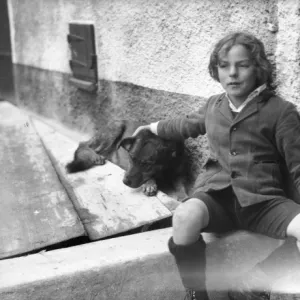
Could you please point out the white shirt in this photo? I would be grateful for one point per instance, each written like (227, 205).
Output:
(251, 96)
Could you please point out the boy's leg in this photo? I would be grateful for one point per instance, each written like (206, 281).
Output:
(190, 261)
(293, 229)
(188, 221)
(187, 245)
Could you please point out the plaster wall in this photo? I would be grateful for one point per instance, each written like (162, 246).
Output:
(152, 56)
(287, 50)
(158, 44)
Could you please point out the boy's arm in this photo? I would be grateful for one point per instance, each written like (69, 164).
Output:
(288, 141)
(182, 128)
(192, 125)
(179, 128)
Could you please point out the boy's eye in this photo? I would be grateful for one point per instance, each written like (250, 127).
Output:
(222, 65)
(244, 65)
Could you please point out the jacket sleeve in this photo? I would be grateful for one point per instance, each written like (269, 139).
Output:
(288, 141)
(182, 128)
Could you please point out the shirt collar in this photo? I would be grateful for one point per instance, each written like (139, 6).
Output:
(251, 96)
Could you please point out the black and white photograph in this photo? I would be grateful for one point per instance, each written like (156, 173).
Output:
(149, 150)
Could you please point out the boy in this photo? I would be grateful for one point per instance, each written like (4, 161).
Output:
(252, 134)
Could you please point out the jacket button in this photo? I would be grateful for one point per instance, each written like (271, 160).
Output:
(234, 128)
(234, 174)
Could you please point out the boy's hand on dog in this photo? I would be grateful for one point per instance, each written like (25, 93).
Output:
(141, 128)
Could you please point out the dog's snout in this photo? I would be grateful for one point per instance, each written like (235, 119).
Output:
(127, 181)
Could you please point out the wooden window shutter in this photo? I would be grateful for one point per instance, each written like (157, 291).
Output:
(83, 63)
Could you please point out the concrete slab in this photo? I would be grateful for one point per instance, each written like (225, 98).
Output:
(35, 208)
(133, 267)
(231, 258)
(105, 205)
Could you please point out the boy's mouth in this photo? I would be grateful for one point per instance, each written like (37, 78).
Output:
(234, 83)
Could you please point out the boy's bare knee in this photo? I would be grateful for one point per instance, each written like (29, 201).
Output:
(193, 212)
(293, 228)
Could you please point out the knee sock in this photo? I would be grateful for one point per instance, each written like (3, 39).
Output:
(190, 260)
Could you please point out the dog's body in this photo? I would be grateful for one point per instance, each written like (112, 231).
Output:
(149, 160)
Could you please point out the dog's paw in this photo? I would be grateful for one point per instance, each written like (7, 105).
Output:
(100, 160)
(150, 188)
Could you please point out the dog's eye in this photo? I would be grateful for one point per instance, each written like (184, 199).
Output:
(145, 164)
(142, 163)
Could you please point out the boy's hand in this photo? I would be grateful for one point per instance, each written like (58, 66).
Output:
(141, 128)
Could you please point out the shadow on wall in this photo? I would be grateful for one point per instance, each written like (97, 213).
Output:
(50, 94)
(6, 78)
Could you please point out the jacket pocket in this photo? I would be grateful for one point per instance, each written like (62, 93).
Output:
(211, 167)
(267, 177)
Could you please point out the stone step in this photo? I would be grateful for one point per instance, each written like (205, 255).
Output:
(35, 209)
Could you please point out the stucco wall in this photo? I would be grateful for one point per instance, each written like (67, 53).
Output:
(158, 44)
(152, 56)
(288, 50)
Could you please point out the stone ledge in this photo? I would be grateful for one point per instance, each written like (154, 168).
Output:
(36, 211)
(133, 267)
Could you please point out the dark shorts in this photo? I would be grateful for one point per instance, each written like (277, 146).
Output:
(270, 218)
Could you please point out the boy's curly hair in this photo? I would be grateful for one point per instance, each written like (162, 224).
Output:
(257, 52)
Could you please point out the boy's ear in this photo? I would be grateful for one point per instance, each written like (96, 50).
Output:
(127, 143)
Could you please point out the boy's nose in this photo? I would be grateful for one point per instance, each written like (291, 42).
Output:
(232, 71)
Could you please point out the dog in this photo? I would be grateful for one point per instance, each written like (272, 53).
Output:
(149, 161)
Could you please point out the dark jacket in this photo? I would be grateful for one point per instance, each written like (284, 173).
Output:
(247, 152)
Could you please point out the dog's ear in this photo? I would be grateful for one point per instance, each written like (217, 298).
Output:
(127, 143)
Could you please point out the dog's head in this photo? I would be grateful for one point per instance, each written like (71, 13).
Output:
(149, 156)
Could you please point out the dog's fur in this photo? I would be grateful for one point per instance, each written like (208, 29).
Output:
(149, 161)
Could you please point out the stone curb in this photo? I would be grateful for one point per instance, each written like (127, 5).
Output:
(128, 268)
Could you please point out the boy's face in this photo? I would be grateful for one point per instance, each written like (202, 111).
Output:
(237, 73)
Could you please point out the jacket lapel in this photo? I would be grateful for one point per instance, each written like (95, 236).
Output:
(250, 109)
(253, 106)
(224, 108)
